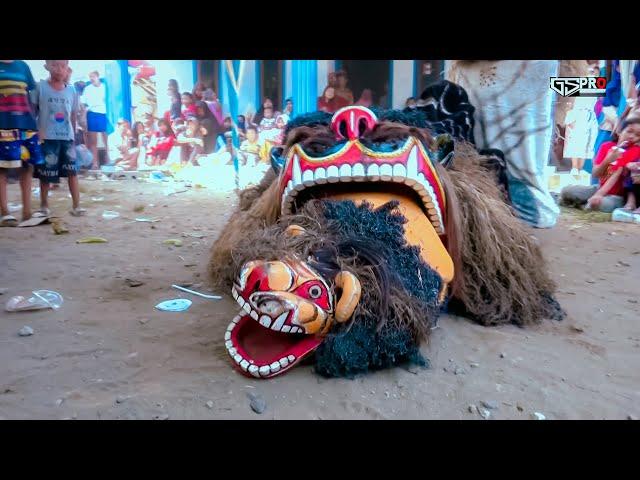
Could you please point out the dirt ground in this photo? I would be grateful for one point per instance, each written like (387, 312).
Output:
(109, 354)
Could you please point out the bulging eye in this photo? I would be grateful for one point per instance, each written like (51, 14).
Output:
(315, 291)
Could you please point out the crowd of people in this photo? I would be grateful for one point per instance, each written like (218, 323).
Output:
(607, 129)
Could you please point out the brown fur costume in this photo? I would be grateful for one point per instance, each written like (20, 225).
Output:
(501, 275)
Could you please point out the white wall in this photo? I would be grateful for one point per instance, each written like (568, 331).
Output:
(181, 70)
(403, 79)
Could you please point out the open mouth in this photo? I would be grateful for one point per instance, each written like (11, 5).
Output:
(262, 339)
(412, 171)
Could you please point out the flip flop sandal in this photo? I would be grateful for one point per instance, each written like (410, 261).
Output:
(78, 212)
(8, 221)
(43, 212)
(33, 221)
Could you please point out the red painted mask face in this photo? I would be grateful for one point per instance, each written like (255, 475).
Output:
(287, 309)
(409, 165)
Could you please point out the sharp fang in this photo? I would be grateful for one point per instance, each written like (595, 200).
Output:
(237, 358)
(227, 335)
(277, 325)
(386, 171)
(275, 366)
(297, 173)
(265, 321)
(345, 173)
(287, 329)
(373, 172)
(399, 173)
(357, 172)
(284, 362)
(320, 175)
(264, 371)
(254, 315)
(412, 163)
(333, 174)
(253, 370)
(307, 178)
(244, 365)
(291, 358)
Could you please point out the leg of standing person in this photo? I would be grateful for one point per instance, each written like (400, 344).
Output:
(92, 140)
(105, 140)
(4, 205)
(26, 174)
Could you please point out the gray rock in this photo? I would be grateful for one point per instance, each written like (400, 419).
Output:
(121, 399)
(502, 355)
(25, 331)
(485, 413)
(257, 403)
(209, 404)
(490, 404)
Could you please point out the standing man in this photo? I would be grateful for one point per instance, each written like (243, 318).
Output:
(94, 97)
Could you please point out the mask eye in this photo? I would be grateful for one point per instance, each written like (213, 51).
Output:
(315, 291)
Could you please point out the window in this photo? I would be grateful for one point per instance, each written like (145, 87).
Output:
(208, 73)
(271, 75)
(428, 72)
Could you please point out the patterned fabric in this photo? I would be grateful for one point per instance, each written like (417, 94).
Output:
(19, 147)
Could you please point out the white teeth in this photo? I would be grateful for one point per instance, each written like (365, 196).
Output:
(357, 172)
(232, 351)
(333, 174)
(246, 307)
(231, 326)
(320, 175)
(237, 318)
(386, 171)
(290, 185)
(345, 173)
(275, 366)
(291, 358)
(284, 362)
(234, 293)
(253, 370)
(244, 365)
(254, 315)
(265, 321)
(277, 325)
(373, 172)
(412, 163)
(240, 301)
(297, 174)
(307, 178)
(264, 371)
(286, 329)
(399, 173)
(228, 344)
(237, 358)
(227, 335)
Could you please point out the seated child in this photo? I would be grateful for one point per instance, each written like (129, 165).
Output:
(191, 142)
(161, 144)
(249, 154)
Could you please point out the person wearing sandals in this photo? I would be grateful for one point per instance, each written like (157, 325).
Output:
(57, 109)
(19, 146)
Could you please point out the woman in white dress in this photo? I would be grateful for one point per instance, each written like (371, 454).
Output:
(580, 136)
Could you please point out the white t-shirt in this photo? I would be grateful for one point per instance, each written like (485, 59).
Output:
(95, 98)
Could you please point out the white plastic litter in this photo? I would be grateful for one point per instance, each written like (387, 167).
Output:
(175, 305)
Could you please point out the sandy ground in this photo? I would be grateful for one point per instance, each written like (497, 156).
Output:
(108, 354)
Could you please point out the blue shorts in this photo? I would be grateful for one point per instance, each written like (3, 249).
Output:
(19, 148)
(96, 122)
(59, 161)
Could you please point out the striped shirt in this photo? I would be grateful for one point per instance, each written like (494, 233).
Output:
(15, 109)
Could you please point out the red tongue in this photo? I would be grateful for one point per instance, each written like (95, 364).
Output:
(265, 346)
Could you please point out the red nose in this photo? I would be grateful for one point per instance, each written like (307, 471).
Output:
(350, 123)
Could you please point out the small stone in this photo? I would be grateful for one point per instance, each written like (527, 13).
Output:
(490, 404)
(257, 403)
(209, 404)
(502, 355)
(485, 413)
(538, 416)
(3, 291)
(143, 320)
(472, 408)
(164, 416)
(474, 365)
(25, 331)
(632, 417)
(386, 394)
(577, 329)
(121, 399)
(459, 371)
(520, 409)
(133, 283)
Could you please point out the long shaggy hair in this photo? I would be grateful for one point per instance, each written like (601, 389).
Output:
(501, 275)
